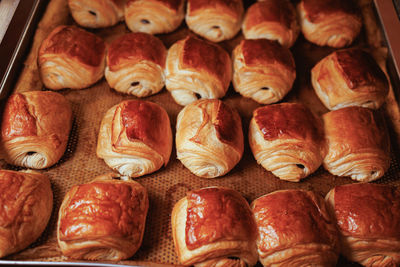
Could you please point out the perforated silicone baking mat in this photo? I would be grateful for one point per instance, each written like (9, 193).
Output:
(169, 184)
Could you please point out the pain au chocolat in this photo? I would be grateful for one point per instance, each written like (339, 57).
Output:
(135, 64)
(214, 226)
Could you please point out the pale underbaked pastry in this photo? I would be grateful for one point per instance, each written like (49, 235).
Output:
(263, 70)
(272, 20)
(97, 13)
(214, 226)
(35, 128)
(103, 219)
(368, 219)
(215, 20)
(349, 77)
(154, 16)
(357, 144)
(287, 139)
(209, 138)
(26, 202)
(295, 229)
(135, 138)
(70, 57)
(334, 23)
(197, 69)
(135, 64)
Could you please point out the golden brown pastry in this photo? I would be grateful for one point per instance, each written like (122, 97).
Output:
(103, 219)
(263, 70)
(349, 77)
(334, 23)
(287, 139)
(214, 227)
(97, 13)
(25, 207)
(214, 20)
(154, 16)
(35, 128)
(368, 219)
(71, 58)
(135, 138)
(209, 138)
(197, 69)
(135, 64)
(295, 229)
(272, 20)
(357, 144)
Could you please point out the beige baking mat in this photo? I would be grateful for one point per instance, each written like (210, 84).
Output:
(169, 184)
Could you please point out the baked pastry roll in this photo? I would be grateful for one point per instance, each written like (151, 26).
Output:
(135, 64)
(197, 69)
(35, 129)
(154, 16)
(215, 20)
(334, 23)
(295, 229)
(209, 138)
(263, 70)
(71, 58)
(214, 226)
(368, 219)
(349, 77)
(26, 204)
(97, 13)
(272, 20)
(135, 138)
(103, 219)
(357, 144)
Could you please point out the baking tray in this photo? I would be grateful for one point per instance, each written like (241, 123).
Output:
(166, 186)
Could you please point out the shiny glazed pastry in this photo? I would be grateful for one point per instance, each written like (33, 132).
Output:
(71, 58)
(295, 229)
(135, 64)
(334, 23)
(209, 138)
(214, 227)
(349, 77)
(368, 219)
(287, 139)
(154, 16)
(26, 203)
(357, 144)
(263, 70)
(103, 219)
(135, 138)
(35, 129)
(97, 13)
(272, 20)
(214, 20)
(197, 69)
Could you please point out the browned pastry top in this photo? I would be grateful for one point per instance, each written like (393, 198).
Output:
(368, 210)
(215, 214)
(172, 4)
(76, 43)
(316, 10)
(231, 6)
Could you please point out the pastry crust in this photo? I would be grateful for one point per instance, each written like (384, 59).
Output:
(357, 144)
(197, 69)
(287, 139)
(368, 219)
(135, 64)
(135, 138)
(103, 219)
(349, 77)
(212, 225)
(263, 70)
(35, 129)
(71, 57)
(209, 138)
